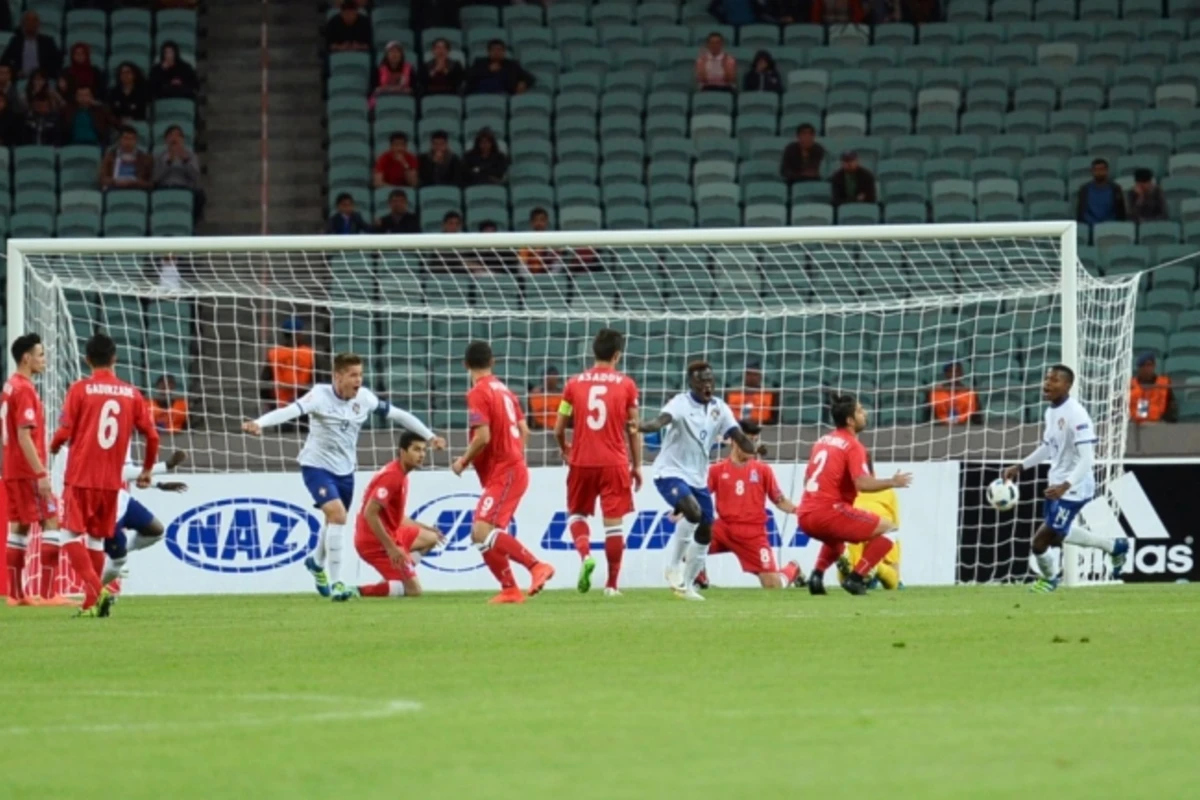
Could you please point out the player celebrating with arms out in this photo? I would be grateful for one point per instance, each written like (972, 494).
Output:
(99, 416)
(336, 413)
(600, 403)
(1068, 445)
(497, 449)
(837, 471)
(384, 536)
(695, 420)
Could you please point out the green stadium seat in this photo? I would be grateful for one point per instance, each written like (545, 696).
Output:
(124, 224)
(963, 147)
(808, 214)
(1159, 232)
(1160, 53)
(81, 201)
(1170, 300)
(1180, 276)
(937, 169)
(1171, 31)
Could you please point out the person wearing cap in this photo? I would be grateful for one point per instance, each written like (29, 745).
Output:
(288, 372)
(1150, 395)
(952, 402)
(545, 400)
(752, 402)
(853, 183)
(1146, 201)
(349, 30)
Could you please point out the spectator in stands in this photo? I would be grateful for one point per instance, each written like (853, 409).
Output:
(498, 74)
(169, 409)
(398, 166)
(88, 121)
(29, 49)
(1101, 200)
(448, 260)
(952, 402)
(349, 30)
(492, 259)
(37, 84)
(764, 75)
(288, 371)
(178, 167)
(346, 220)
(838, 12)
(394, 74)
(1146, 199)
(753, 401)
(485, 164)
(853, 183)
(11, 124)
(172, 76)
(545, 400)
(130, 98)
(398, 219)
(1150, 395)
(802, 158)
(442, 74)
(440, 167)
(8, 88)
(735, 12)
(452, 222)
(539, 260)
(43, 123)
(786, 12)
(81, 73)
(716, 70)
(125, 165)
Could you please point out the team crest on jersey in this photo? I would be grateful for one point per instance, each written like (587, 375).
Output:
(354, 407)
(754, 476)
(381, 493)
(715, 414)
(322, 491)
(29, 414)
(1062, 423)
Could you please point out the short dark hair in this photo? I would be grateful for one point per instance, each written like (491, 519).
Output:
(536, 210)
(344, 361)
(842, 408)
(394, 193)
(398, 136)
(493, 42)
(438, 134)
(607, 344)
(344, 196)
(716, 34)
(449, 215)
(697, 366)
(488, 223)
(124, 128)
(1063, 369)
(408, 439)
(805, 126)
(440, 40)
(24, 344)
(1098, 161)
(170, 128)
(101, 350)
(1143, 175)
(478, 355)
(750, 427)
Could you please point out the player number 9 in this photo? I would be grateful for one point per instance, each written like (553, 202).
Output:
(596, 404)
(106, 434)
(818, 464)
(511, 410)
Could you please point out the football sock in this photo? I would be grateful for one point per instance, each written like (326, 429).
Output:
(1082, 537)
(14, 563)
(875, 551)
(333, 551)
(319, 554)
(581, 535)
(513, 550)
(614, 551)
(682, 538)
(789, 572)
(697, 554)
(81, 562)
(140, 541)
(416, 556)
(112, 570)
(888, 575)
(49, 557)
(827, 555)
(383, 589)
(95, 550)
(498, 563)
(1047, 564)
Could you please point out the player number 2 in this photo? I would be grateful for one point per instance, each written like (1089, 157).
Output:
(818, 464)
(597, 411)
(106, 434)
(511, 410)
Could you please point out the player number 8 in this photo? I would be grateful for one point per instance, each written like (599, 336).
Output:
(106, 434)
(818, 464)
(739, 488)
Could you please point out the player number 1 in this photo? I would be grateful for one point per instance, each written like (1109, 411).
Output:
(106, 434)
(818, 464)
(596, 404)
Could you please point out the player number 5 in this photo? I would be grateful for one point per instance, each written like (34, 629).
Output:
(596, 406)
(818, 464)
(106, 434)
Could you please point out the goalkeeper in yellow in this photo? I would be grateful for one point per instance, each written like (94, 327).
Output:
(887, 506)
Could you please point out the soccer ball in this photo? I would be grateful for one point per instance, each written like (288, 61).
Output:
(1003, 495)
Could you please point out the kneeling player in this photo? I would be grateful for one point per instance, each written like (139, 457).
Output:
(741, 485)
(886, 506)
(383, 536)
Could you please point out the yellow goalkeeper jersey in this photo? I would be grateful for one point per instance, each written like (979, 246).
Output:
(884, 503)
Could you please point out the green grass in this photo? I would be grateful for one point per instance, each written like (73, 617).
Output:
(986, 692)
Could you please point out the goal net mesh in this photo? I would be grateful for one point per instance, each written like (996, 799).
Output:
(781, 324)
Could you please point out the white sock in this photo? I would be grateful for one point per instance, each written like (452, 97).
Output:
(697, 555)
(416, 556)
(319, 553)
(395, 588)
(139, 541)
(683, 537)
(112, 570)
(333, 551)
(1047, 564)
(1082, 537)
(18, 541)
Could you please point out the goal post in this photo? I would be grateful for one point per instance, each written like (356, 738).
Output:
(879, 310)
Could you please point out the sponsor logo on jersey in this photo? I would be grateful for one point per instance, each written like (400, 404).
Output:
(242, 534)
(453, 515)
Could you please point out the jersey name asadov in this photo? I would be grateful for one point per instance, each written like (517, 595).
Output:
(689, 439)
(334, 424)
(1067, 426)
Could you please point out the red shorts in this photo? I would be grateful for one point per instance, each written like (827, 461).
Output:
(612, 486)
(90, 511)
(25, 505)
(748, 542)
(839, 523)
(371, 551)
(501, 496)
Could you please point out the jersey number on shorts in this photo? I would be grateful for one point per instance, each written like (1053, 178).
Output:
(1061, 515)
(106, 433)
(511, 410)
(596, 404)
(818, 464)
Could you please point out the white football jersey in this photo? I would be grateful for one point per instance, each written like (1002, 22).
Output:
(1068, 426)
(689, 439)
(333, 427)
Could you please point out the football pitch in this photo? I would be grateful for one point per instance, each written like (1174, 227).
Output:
(981, 692)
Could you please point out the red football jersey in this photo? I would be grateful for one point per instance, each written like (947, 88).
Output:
(741, 490)
(98, 420)
(22, 408)
(491, 403)
(600, 400)
(389, 487)
(837, 459)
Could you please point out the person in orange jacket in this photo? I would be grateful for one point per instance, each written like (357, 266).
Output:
(170, 410)
(1150, 395)
(544, 401)
(953, 402)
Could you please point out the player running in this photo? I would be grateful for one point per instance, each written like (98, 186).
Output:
(384, 536)
(600, 403)
(99, 416)
(837, 471)
(886, 505)
(26, 478)
(336, 413)
(1068, 445)
(741, 486)
(695, 420)
(497, 450)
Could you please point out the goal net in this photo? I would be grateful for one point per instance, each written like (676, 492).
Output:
(783, 315)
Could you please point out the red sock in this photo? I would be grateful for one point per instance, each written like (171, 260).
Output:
(514, 550)
(49, 553)
(14, 562)
(81, 562)
(581, 533)
(828, 555)
(875, 551)
(97, 557)
(789, 572)
(374, 590)
(614, 550)
(497, 562)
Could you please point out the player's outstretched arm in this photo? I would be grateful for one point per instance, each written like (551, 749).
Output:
(1032, 460)
(407, 419)
(271, 419)
(653, 426)
(869, 483)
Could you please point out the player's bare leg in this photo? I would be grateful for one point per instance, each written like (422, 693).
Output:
(581, 536)
(875, 550)
(411, 587)
(790, 575)
(697, 549)
(329, 549)
(614, 553)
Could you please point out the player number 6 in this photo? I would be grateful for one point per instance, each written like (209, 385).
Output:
(106, 434)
